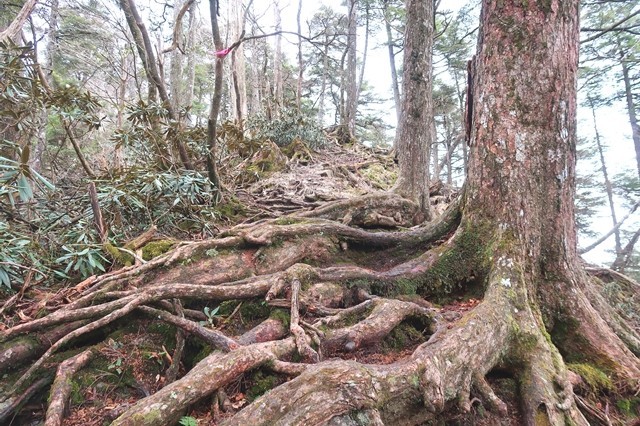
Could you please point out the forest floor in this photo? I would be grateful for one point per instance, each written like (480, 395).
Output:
(136, 353)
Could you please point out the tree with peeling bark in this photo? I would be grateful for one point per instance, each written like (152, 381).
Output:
(346, 282)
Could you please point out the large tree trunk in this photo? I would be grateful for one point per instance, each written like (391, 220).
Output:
(510, 240)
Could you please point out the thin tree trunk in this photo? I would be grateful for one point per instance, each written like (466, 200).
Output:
(435, 158)
(191, 58)
(392, 62)
(52, 47)
(216, 100)
(460, 92)
(300, 62)
(239, 92)
(631, 109)
(145, 49)
(364, 54)
(351, 104)
(277, 65)
(175, 72)
(605, 175)
(323, 84)
(623, 257)
(15, 27)
(120, 99)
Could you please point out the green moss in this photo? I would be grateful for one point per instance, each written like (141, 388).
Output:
(406, 286)
(456, 266)
(151, 418)
(156, 248)
(261, 383)
(402, 336)
(624, 405)
(629, 407)
(212, 252)
(118, 256)
(230, 209)
(202, 354)
(167, 331)
(289, 221)
(596, 379)
(402, 286)
(281, 315)
(77, 396)
(379, 176)
(541, 418)
(574, 347)
(250, 310)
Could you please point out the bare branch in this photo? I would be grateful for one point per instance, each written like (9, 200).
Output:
(178, 27)
(611, 232)
(611, 28)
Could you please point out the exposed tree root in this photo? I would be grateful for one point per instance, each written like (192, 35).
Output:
(338, 305)
(61, 388)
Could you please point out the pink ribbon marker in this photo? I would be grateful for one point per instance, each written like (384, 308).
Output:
(222, 53)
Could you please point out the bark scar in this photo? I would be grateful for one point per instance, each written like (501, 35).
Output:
(468, 113)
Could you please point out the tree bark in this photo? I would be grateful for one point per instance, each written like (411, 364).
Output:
(631, 107)
(351, 80)
(216, 100)
(14, 28)
(415, 133)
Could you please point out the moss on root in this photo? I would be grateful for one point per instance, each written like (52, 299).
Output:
(402, 336)
(575, 349)
(250, 310)
(156, 248)
(399, 287)
(465, 262)
(118, 257)
(230, 209)
(281, 315)
(629, 407)
(260, 382)
(596, 379)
